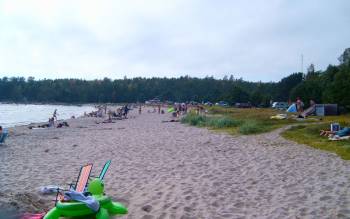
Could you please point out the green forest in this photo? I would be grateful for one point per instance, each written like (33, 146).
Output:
(329, 86)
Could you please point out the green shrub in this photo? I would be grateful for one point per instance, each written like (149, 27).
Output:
(193, 119)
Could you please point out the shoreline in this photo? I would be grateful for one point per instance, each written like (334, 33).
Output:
(31, 114)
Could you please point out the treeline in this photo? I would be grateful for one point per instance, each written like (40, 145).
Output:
(331, 86)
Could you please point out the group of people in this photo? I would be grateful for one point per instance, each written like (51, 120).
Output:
(119, 113)
(156, 108)
(52, 122)
(183, 108)
(98, 113)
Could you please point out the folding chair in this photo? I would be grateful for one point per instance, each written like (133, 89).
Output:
(80, 183)
(83, 178)
(104, 170)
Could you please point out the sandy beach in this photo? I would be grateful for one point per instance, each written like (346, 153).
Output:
(171, 170)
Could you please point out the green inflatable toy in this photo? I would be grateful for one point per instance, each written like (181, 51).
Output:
(79, 209)
(171, 110)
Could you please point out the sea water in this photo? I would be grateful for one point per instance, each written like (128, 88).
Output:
(24, 114)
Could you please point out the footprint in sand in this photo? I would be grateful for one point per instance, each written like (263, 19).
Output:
(147, 208)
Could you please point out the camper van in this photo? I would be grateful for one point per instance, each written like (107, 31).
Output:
(280, 105)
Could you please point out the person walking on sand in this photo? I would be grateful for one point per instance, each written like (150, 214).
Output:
(140, 109)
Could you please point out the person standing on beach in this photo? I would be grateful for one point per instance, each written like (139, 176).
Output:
(126, 110)
(140, 109)
(55, 114)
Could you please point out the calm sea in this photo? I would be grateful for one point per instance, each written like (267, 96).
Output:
(23, 114)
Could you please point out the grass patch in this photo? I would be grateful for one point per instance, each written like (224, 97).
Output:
(254, 121)
(251, 127)
(222, 122)
(217, 122)
(310, 135)
(193, 119)
(237, 121)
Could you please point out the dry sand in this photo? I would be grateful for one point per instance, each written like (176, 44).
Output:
(170, 170)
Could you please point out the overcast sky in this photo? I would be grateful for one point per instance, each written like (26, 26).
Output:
(254, 39)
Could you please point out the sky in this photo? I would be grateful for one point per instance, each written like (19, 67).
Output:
(256, 40)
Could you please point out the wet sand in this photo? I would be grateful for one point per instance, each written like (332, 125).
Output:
(170, 170)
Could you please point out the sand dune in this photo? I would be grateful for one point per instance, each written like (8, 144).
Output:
(170, 170)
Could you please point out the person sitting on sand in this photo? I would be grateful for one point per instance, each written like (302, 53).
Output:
(46, 125)
(62, 124)
(299, 105)
(51, 122)
(3, 135)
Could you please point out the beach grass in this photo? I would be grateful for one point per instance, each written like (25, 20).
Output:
(238, 121)
(251, 127)
(218, 122)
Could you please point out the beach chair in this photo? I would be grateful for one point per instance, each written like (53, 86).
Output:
(83, 178)
(104, 170)
(80, 184)
(72, 209)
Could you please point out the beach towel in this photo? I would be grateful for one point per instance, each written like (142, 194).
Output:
(89, 201)
(50, 189)
(33, 216)
(279, 116)
(338, 138)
